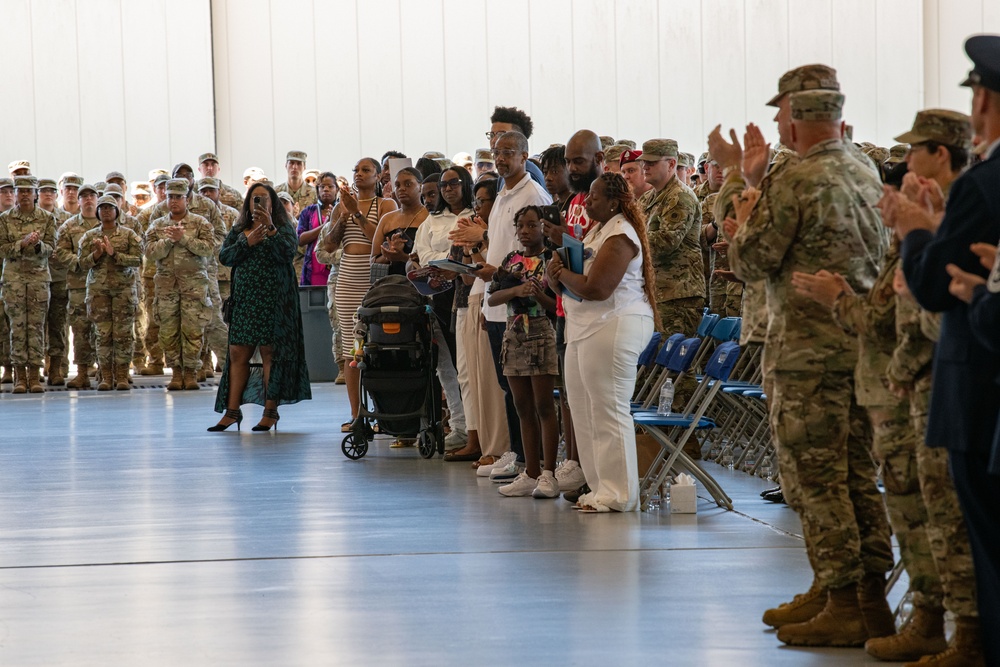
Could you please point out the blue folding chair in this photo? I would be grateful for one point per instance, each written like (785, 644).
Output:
(676, 367)
(648, 356)
(659, 368)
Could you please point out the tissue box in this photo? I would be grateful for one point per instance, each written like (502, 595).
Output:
(683, 499)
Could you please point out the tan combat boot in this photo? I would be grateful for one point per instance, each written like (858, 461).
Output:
(190, 379)
(966, 648)
(839, 624)
(177, 380)
(105, 377)
(55, 375)
(8, 377)
(802, 607)
(20, 381)
(93, 371)
(199, 375)
(207, 370)
(874, 608)
(122, 378)
(81, 381)
(923, 635)
(35, 385)
(155, 368)
(340, 372)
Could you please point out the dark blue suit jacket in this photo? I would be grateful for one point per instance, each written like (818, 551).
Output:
(965, 399)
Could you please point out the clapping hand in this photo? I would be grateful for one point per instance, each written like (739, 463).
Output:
(98, 248)
(725, 153)
(530, 287)
(108, 248)
(822, 287)
(174, 232)
(743, 205)
(348, 201)
(30, 239)
(986, 253)
(756, 155)
(963, 283)
(468, 232)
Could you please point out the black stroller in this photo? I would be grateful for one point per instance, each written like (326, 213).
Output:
(398, 363)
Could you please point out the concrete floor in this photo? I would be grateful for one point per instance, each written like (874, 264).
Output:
(131, 536)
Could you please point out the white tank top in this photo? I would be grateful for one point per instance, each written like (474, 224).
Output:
(583, 318)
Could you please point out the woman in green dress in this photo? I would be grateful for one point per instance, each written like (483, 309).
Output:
(265, 315)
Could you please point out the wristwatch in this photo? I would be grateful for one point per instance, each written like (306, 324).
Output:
(486, 236)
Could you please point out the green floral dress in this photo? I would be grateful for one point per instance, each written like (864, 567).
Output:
(265, 311)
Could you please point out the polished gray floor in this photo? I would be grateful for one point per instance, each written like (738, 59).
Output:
(131, 536)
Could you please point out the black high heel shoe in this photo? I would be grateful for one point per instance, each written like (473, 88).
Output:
(237, 415)
(268, 414)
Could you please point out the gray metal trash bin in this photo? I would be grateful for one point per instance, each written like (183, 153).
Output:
(317, 333)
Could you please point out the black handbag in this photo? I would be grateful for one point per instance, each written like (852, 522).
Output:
(227, 303)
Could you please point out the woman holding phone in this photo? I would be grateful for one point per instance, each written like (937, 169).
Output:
(264, 315)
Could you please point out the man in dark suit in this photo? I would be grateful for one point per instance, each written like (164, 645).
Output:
(941, 268)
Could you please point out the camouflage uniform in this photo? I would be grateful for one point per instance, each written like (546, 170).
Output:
(230, 196)
(56, 328)
(217, 333)
(182, 300)
(821, 216)
(26, 281)
(150, 341)
(304, 197)
(67, 253)
(112, 296)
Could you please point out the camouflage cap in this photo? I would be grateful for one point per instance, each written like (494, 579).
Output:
(614, 153)
(629, 155)
(877, 154)
(178, 167)
(207, 184)
(115, 176)
(47, 184)
(160, 178)
(153, 173)
(296, 156)
(462, 159)
(943, 126)
(655, 150)
(312, 173)
(606, 141)
(685, 160)
(484, 155)
(6, 183)
(256, 173)
(807, 77)
(177, 186)
(627, 142)
(984, 52)
(703, 158)
(140, 188)
(87, 187)
(100, 185)
(434, 155)
(896, 154)
(114, 189)
(25, 182)
(108, 200)
(444, 163)
(817, 105)
(205, 157)
(284, 196)
(18, 164)
(70, 180)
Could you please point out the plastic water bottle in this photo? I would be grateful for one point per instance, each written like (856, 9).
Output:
(666, 398)
(655, 498)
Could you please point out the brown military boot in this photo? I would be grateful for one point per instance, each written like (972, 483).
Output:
(122, 378)
(966, 648)
(207, 370)
(155, 368)
(35, 385)
(92, 371)
(923, 635)
(81, 381)
(340, 372)
(105, 377)
(839, 624)
(177, 381)
(48, 366)
(874, 608)
(20, 381)
(190, 379)
(55, 376)
(199, 375)
(8, 377)
(802, 607)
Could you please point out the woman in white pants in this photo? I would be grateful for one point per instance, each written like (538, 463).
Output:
(612, 321)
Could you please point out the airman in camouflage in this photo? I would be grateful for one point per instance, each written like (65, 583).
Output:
(217, 334)
(302, 193)
(6, 203)
(823, 216)
(111, 254)
(67, 253)
(208, 167)
(182, 245)
(56, 333)
(150, 342)
(673, 219)
(27, 237)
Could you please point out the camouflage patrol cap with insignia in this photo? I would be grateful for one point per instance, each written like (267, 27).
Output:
(87, 187)
(984, 52)
(655, 150)
(896, 154)
(685, 160)
(877, 154)
(178, 167)
(484, 155)
(178, 186)
(606, 141)
(70, 180)
(25, 183)
(160, 178)
(115, 176)
(807, 77)
(208, 184)
(18, 164)
(614, 153)
(284, 196)
(206, 157)
(100, 185)
(6, 183)
(817, 105)
(296, 156)
(153, 173)
(943, 126)
(627, 142)
(47, 184)
(140, 188)
(108, 200)
(114, 189)
(312, 173)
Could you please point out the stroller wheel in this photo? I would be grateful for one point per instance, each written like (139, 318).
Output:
(354, 447)
(427, 443)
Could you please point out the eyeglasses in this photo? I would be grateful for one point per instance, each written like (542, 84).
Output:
(503, 152)
(492, 135)
(479, 203)
(453, 183)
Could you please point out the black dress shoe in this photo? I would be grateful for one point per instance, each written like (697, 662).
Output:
(775, 496)
(767, 491)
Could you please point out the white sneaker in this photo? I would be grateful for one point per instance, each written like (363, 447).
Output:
(485, 470)
(546, 487)
(507, 473)
(455, 440)
(520, 487)
(570, 476)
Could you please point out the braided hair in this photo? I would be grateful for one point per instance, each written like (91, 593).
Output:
(616, 188)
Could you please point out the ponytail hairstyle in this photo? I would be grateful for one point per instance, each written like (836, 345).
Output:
(616, 188)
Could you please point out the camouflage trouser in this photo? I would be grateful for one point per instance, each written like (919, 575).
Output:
(946, 532)
(216, 333)
(26, 304)
(824, 440)
(4, 334)
(56, 327)
(727, 297)
(331, 292)
(152, 338)
(183, 313)
(682, 316)
(113, 313)
(82, 327)
(139, 326)
(894, 445)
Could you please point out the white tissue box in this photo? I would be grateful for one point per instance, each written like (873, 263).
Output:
(683, 499)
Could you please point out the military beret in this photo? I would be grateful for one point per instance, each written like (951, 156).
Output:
(178, 186)
(108, 200)
(115, 176)
(178, 167)
(629, 155)
(208, 183)
(817, 105)
(897, 154)
(160, 178)
(484, 155)
(87, 187)
(685, 160)
(113, 189)
(984, 52)
(140, 188)
(284, 196)
(71, 180)
(606, 141)
(205, 157)
(156, 172)
(6, 183)
(296, 156)
(627, 142)
(657, 149)
(807, 77)
(25, 182)
(613, 153)
(950, 128)
(46, 183)
(18, 164)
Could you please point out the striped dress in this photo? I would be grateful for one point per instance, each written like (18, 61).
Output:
(353, 279)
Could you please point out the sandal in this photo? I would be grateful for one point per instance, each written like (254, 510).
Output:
(456, 455)
(346, 426)
(400, 443)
